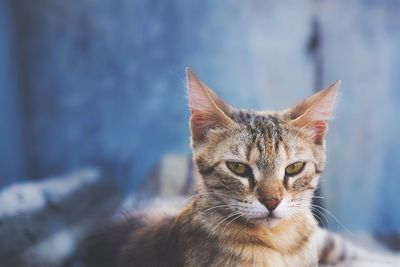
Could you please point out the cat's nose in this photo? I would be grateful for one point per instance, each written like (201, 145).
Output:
(270, 203)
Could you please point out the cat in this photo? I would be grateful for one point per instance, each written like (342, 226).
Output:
(258, 171)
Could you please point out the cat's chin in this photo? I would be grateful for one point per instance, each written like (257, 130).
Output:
(268, 221)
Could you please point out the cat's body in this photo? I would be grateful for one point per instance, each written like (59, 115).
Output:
(166, 240)
(258, 172)
(190, 240)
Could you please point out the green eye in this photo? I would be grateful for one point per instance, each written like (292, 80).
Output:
(294, 168)
(239, 168)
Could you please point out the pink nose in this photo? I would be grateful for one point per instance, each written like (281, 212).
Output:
(270, 203)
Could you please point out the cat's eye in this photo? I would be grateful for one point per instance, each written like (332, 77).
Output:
(240, 169)
(294, 168)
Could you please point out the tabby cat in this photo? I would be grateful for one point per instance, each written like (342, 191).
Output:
(258, 171)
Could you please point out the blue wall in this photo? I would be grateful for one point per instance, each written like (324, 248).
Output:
(86, 81)
(12, 149)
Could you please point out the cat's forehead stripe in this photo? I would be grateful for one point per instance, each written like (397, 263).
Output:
(267, 126)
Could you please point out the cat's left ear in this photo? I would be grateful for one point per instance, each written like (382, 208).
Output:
(315, 111)
(208, 111)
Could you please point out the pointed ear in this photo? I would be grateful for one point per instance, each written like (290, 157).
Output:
(207, 109)
(315, 111)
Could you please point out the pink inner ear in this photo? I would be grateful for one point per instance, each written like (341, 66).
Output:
(200, 123)
(198, 100)
(322, 109)
(320, 129)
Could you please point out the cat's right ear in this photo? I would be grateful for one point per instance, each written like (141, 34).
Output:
(314, 112)
(207, 109)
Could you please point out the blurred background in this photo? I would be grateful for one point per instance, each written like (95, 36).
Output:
(101, 83)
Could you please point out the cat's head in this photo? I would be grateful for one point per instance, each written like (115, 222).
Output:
(260, 165)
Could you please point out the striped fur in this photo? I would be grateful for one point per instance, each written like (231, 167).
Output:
(226, 222)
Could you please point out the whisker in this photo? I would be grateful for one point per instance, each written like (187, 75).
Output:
(320, 214)
(228, 207)
(224, 219)
(234, 218)
(334, 217)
